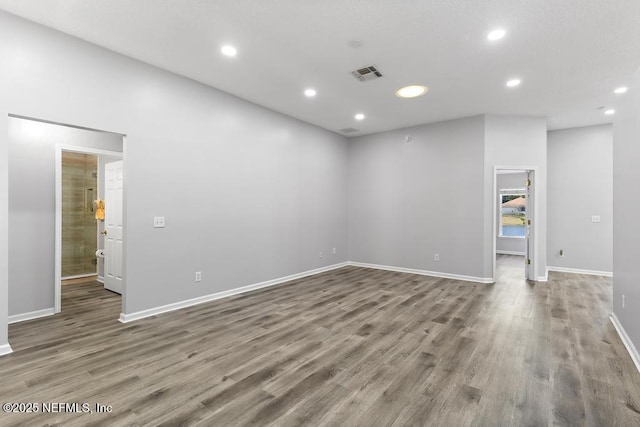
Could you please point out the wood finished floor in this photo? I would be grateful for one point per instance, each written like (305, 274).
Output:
(348, 347)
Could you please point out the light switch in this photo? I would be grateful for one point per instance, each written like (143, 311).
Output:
(595, 218)
(158, 222)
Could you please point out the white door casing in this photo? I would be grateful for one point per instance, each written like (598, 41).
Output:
(530, 273)
(113, 228)
(58, 211)
(531, 233)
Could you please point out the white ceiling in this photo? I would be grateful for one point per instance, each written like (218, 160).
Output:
(570, 54)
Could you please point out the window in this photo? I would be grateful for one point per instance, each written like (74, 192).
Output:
(512, 213)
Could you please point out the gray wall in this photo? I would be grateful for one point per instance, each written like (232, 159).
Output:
(248, 194)
(518, 142)
(580, 165)
(408, 201)
(626, 228)
(32, 206)
(509, 244)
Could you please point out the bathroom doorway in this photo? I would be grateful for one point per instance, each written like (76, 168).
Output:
(35, 211)
(79, 261)
(81, 211)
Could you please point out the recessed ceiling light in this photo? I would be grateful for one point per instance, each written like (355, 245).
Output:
(620, 90)
(359, 116)
(411, 91)
(610, 112)
(496, 34)
(514, 82)
(310, 93)
(229, 50)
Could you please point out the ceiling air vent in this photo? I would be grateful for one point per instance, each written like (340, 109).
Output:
(348, 130)
(367, 73)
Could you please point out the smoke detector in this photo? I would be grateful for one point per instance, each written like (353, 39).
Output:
(367, 73)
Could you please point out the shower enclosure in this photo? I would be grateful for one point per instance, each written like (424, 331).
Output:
(79, 226)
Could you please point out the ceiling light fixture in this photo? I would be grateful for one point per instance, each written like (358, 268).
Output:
(310, 93)
(229, 50)
(359, 116)
(496, 34)
(620, 90)
(411, 91)
(610, 112)
(514, 82)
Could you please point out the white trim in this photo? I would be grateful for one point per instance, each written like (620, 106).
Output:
(423, 272)
(57, 301)
(501, 252)
(57, 284)
(542, 278)
(125, 318)
(580, 271)
(5, 349)
(536, 215)
(100, 279)
(78, 276)
(633, 352)
(31, 315)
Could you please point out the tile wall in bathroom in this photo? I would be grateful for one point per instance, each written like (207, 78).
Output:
(79, 226)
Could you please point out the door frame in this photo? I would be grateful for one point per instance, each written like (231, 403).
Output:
(58, 208)
(533, 239)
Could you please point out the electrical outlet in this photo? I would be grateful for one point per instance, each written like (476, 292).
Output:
(436, 257)
(198, 276)
(335, 251)
(158, 222)
(321, 254)
(595, 218)
(622, 301)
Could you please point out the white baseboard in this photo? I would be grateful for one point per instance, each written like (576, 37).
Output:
(633, 352)
(580, 271)
(423, 272)
(100, 279)
(543, 278)
(125, 318)
(5, 349)
(501, 252)
(78, 276)
(31, 315)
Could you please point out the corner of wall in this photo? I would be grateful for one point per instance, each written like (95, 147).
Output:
(626, 152)
(4, 231)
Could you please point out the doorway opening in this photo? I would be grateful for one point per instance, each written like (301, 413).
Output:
(36, 149)
(89, 218)
(515, 220)
(79, 211)
(88, 179)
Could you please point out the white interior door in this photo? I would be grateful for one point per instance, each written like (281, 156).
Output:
(113, 230)
(529, 207)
